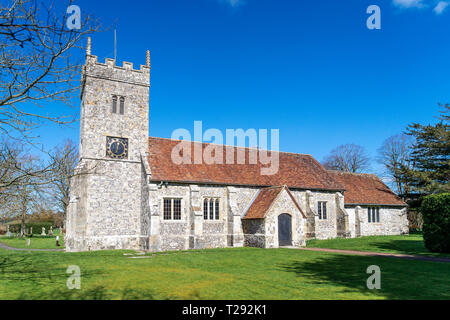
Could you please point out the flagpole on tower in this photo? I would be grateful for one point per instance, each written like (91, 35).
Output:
(115, 45)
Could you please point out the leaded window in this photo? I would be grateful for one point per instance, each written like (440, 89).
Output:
(322, 210)
(217, 209)
(211, 209)
(167, 209)
(205, 209)
(172, 209)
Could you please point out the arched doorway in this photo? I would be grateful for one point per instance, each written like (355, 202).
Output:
(284, 230)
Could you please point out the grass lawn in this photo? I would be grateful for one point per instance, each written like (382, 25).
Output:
(407, 244)
(241, 273)
(36, 242)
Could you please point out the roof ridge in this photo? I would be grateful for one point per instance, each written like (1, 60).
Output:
(354, 173)
(273, 187)
(225, 145)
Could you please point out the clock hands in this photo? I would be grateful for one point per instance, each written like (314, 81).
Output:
(118, 149)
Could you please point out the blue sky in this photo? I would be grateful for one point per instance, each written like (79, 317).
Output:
(311, 69)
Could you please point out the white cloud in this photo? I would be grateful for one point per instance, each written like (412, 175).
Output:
(441, 6)
(408, 3)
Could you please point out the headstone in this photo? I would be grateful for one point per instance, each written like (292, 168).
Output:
(28, 242)
(50, 232)
(31, 230)
(43, 231)
(57, 241)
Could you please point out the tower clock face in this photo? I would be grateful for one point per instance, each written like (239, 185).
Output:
(116, 148)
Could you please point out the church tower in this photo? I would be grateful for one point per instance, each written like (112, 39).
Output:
(108, 205)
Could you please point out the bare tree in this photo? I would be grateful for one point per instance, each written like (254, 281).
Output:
(348, 158)
(37, 67)
(36, 64)
(17, 168)
(395, 155)
(21, 197)
(65, 159)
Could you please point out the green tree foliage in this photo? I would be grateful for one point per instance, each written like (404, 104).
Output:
(430, 156)
(436, 222)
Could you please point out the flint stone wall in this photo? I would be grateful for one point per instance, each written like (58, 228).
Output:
(108, 207)
(393, 221)
(254, 233)
(108, 210)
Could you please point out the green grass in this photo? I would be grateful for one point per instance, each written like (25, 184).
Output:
(241, 273)
(36, 242)
(407, 244)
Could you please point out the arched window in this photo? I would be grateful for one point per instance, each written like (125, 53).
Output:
(122, 105)
(205, 209)
(217, 209)
(118, 109)
(211, 209)
(114, 104)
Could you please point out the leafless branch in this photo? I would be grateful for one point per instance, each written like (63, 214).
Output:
(37, 65)
(348, 158)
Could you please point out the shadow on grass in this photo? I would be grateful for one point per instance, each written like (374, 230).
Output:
(414, 247)
(44, 280)
(95, 293)
(400, 279)
(25, 268)
(403, 246)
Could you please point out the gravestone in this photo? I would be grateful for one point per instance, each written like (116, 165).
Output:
(28, 242)
(43, 231)
(50, 232)
(57, 241)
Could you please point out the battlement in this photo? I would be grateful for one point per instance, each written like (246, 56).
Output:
(110, 71)
(111, 63)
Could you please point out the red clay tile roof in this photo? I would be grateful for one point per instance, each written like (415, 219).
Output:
(295, 170)
(262, 203)
(264, 200)
(366, 189)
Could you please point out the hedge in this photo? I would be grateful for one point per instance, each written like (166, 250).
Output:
(37, 227)
(436, 222)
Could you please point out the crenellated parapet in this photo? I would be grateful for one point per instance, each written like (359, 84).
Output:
(110, 71)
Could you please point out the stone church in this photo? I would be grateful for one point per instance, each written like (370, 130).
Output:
(127, 193)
